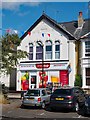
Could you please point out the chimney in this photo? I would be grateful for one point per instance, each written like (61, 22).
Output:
(80, 20)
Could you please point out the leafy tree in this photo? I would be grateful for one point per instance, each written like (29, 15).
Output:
(78, 80)
(10, 55)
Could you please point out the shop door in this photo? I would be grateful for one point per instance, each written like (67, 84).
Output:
(33, 81)
(64, 77)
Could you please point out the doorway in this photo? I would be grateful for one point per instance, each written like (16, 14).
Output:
(33, 80)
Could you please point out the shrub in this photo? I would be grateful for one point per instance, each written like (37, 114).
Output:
(78, 80)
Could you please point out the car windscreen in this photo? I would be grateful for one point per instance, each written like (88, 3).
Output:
(33, 93)
(62, 92)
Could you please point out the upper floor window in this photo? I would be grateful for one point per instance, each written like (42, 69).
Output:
(57, 50)
(48, 54)
(39, 51)
(87, 48)
(30, 51)
(87, 76)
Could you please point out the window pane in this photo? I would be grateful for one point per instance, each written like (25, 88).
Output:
(87, 81)
(30, 56)
(57, 47)
(49, 48)
(48, 55)
(87, 43)
(87, 50)
(38, 56)
(30, 49)
(87, 71)
(38, 49)
(57, 55)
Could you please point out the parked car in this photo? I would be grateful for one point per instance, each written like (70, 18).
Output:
(36, 97)
(67, 97)
(86, 106)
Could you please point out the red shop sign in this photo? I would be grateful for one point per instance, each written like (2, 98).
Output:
(45, 65)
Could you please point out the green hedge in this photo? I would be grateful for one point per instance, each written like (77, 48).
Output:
(78, 80)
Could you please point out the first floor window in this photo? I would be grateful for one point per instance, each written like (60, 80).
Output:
(39, 52)
(30, 51)
(57, 50)
(48, 54)
(87, 48)
(87, 76)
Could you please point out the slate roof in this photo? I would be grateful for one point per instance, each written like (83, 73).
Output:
(72, 27)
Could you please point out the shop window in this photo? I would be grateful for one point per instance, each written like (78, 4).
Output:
(87, 76)
(39, 52)
(87, 48)
(48, 54)
(57, 50)
(30, 51)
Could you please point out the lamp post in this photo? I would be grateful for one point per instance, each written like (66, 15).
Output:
(41, 45)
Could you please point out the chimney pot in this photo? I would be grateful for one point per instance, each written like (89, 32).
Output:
(80, 13)
(80, 19)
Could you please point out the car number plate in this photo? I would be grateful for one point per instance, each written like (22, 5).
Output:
(30, 99)
(59, 98)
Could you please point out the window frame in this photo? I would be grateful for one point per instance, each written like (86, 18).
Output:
(39, 52)
(31, 53)
(87, 76)
(87, 47)
(48, 53)
(57, 51)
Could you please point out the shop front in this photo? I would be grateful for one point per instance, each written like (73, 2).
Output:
(36, 75)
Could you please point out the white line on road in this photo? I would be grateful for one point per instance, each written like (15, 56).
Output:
(42, 114)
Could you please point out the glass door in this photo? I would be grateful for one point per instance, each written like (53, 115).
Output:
(33, 80)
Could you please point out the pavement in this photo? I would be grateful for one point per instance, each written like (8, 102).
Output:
(14, 95)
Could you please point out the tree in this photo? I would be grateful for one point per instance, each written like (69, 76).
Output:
(10, 55)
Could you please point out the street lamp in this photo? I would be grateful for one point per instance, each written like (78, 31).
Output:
(41, 45)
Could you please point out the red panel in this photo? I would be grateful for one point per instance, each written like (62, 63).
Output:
(64, 77)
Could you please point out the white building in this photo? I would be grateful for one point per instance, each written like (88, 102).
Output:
(58, 62)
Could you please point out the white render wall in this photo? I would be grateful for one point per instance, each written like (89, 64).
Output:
(67, 47)
(72, 62)
(36, 34)
(5, 79)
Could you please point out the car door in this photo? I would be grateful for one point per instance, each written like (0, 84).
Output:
(45, 96)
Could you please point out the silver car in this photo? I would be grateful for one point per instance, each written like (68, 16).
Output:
(36, 97)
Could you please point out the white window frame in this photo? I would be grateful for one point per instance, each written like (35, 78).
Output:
(48, 53)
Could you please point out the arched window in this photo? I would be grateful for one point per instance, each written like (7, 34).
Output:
(48, 54)
(57, 50)
(39, 51)
(30, 51)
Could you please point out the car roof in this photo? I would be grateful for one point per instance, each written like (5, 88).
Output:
(68, 87)
(38, 89)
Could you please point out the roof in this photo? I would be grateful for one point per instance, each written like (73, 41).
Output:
(53, 22)
(69, 28)
(72, 27)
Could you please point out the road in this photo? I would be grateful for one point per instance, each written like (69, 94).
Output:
(14, 110)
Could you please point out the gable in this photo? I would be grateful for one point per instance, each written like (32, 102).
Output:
(45, 17)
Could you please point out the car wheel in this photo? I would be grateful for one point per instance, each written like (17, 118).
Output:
(43, 105)
(76, 107)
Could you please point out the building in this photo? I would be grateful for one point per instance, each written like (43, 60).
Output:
(50, 47)
(81, 31)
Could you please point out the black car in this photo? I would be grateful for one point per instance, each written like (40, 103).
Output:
(86, 106)
(67, 97)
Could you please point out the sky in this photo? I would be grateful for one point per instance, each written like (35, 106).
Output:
(19, 16)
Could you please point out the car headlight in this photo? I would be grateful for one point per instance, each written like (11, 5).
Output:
(86, 104)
